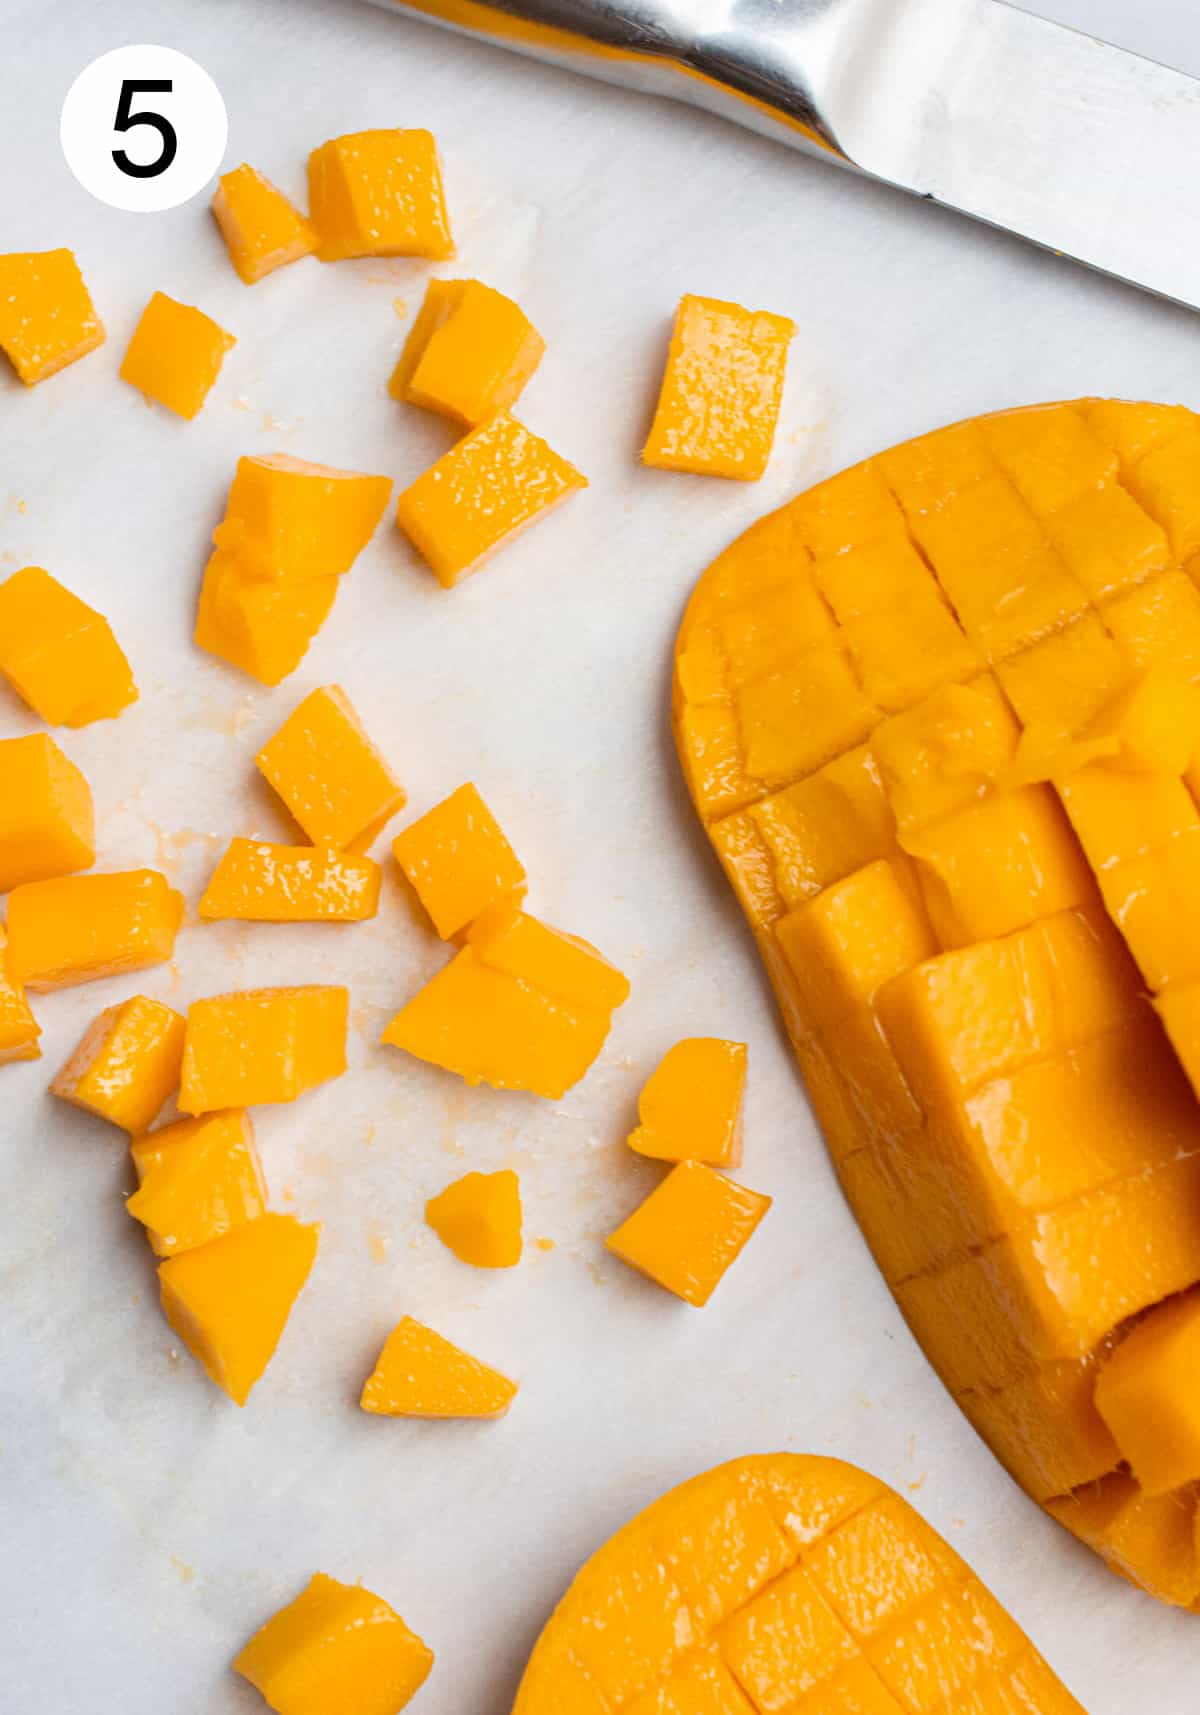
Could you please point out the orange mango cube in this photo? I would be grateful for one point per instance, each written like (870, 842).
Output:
(720, 396)
(1146, 1394)
(47, 318)
(255, 882)
(46, 819)
(229, 1301)
(78, 928)
(420, 1374)
(458, 861)
(379, 193)
(198, 1180)
(261, 228)
(332, 778)
(289, 518)
(689, 1230)
(478, 1217)
(262, 1045)
(19, 1030)
(127, 1065)
(175, 355)
(470, 352)
(58, 654)
(335, 1646)
(1153, 725)
(495, 482)
(690, 1107)
(262, 625)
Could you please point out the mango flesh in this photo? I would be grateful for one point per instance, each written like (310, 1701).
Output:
(47, 825)
(60, 655)
(478, 1217)
(458, 861)
(127, 1065)
(262, 1045)
(198, 1180)
(689, 1230)
(421, 1374)
(470, 352)
(175, 355)
(690, 1107)
(47, 319)
(79, 928)
(257, 882)
(974, 887)
(378, 193)
(789, 1585)
(261, 228)
(19, 1030)
(332, 778)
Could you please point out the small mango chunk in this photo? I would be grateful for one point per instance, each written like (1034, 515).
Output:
(1146, 1394)
(566, 967)
(58, 654)
(493, 483)
(333, 779)
(261, 228)
(690, 1107)
(470, 352)
(47, 318)
(420, 1374)
(47, 826)
(946, 752)
(256, 882)
(721, 392)
(289, 518)
(127, 1065)
(478, 1217)
(78, 928)
(19, 1029)
(379, 193)
(689, 1230)
(262, 1045)
(198, 1180)
(458, 861)
(336, 1647)
(229, 1301)
(1153, 725)
(262, 625)
(175, 355)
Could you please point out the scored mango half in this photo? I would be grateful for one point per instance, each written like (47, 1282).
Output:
(783, 1584)
(939, 716)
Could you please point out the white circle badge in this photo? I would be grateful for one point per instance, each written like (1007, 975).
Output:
(144, 128)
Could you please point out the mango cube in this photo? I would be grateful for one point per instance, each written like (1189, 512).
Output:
(1065, 679)
(47, 318)
(336, 1644)
(262, 1045)
(1159, 621)
(379, 193)
(1149, 1539)
(19, 1030)
(1046, 1428)
(229, 1301)
(470, 352)
(60, 655)
(566, 967)
(46, 818)
(458, 861)
(827, 826)
(261, 228)
(946, 752)
(1153, 725)
(478, 1217)
(198, 1180)
(255, 882)
(78, 928)
(690, 1107)
(721, 392)
(1146, 1393)
(175, 355)
(331, 777)
(127, 1065)
(289, 518)
(493, 483)
(420, 1374)
(1121, 814)
(689, 1230)
(262, 625)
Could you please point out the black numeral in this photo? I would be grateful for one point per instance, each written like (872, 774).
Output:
(126, 120)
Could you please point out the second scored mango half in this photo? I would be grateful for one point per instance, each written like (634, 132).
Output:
(938, 716)
(783, 1585)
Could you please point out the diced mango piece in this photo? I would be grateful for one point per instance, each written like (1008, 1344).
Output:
(78, 928)
(1155, 902)
(333, 779)
(175, 355)
(1107, 541)
(470, 352)
(198, 1180)
(824, 828)
(801, 717)
(1166, 482)
(261, 228)
(1153, 724)
(19, 1030)
(60, 655)
(690, 1107)
(720, 396)
(458, 861)
(47, 318)
(290, 519)
(566, 967)
(945, 752)
(379, 193)
(689, 1230)
(855, 936)
(492, 484)
(262, 625)
(229, 1301)
(260, 883)
(1120, 815)
(478, 1217)
(127, 1065)
(1146, 1394)
(47, 826)
(1045, 1427)
(420, 1374)
(262, 1045)
(1159, 621)
(335, 1644)
(879, 1564)
(1149, 1539)
(1065, 679)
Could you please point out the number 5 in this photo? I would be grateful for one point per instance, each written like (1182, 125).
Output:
(126, 119)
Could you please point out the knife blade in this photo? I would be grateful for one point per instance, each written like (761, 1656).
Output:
(1069, 142)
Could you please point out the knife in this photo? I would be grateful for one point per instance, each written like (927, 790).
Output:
(1067, 141)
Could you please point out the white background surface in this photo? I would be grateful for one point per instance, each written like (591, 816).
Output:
(149, 1526)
